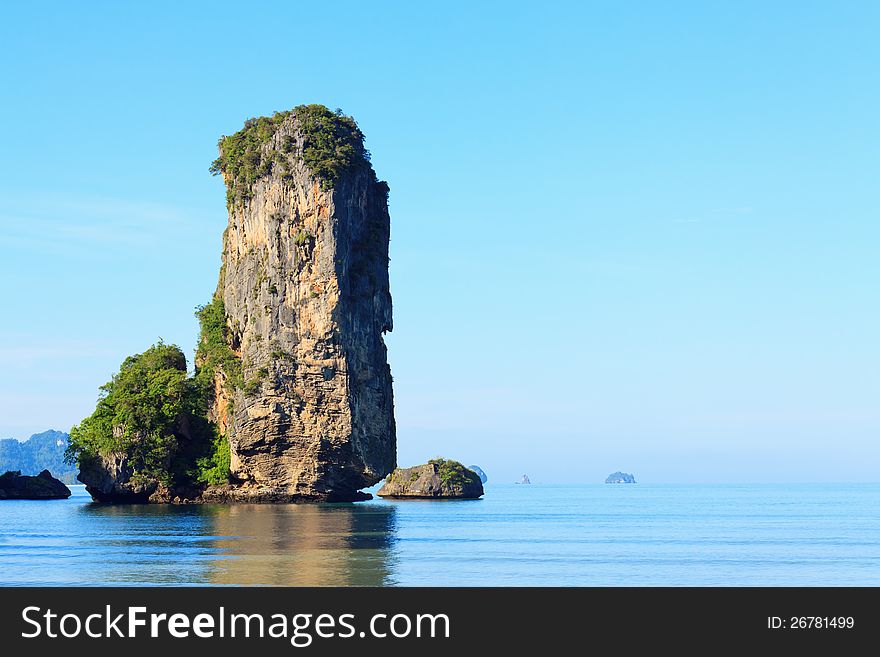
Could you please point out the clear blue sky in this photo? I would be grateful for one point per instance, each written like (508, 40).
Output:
(638, 236)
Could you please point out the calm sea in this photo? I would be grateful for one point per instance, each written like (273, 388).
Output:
(628, 535)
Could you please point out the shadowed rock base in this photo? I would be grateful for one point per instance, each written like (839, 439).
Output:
(230, 495)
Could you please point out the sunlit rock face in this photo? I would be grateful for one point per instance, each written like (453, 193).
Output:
(304, 283)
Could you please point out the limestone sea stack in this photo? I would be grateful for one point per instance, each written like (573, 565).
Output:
(291, 398)
(436, 479)
(307, 408)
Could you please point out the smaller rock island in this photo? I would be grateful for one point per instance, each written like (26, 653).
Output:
(523, 480)
(16, 486)
(437, 479)
(620, 478)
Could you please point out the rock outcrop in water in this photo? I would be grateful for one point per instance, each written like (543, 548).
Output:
(620, 478)
(16, 486)
(436, 479)
(292, 382)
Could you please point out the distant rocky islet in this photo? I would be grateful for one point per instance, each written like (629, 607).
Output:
(620, 478)
(482, 475)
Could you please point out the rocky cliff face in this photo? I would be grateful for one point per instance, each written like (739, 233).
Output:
(305, 401)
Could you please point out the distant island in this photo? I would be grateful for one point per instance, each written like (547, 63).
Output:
(620, 478)
(523, 480)
(482, 475)
(42, 451)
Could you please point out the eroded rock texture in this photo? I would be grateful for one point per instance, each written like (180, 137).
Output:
(304, 284)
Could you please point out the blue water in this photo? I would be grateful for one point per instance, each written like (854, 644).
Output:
(701, 535)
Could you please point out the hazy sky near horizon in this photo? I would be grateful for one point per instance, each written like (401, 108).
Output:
(639, 236)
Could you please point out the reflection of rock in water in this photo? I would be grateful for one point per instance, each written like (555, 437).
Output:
(144, 544)
(303, 545)
(308, 545)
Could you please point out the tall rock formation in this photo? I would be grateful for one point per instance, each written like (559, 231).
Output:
(301, 383)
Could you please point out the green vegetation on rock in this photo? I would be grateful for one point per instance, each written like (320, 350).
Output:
(331, 144)
(213, 353)
(241, 159)
(452, 473)
(213, 468)
(140, 412)
(154, 415)
(302, 238)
